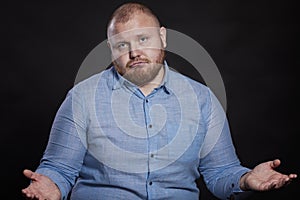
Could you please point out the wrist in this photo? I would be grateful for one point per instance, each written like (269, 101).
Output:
(243, 182)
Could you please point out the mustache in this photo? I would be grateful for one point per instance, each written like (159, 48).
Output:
(131, 62)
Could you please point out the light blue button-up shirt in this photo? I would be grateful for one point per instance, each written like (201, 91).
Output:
(109, 141)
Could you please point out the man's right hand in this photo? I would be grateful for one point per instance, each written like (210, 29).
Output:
(41, 187)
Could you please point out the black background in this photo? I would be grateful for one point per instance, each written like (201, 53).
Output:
(253, 43)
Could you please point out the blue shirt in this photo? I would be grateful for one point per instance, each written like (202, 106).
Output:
(109, 141)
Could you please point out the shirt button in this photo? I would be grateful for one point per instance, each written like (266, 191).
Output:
(150, 126)
(150, 183)
(147, 101)
(151, 155)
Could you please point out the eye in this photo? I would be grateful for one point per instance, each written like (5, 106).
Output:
(122, 45)
(143, 39)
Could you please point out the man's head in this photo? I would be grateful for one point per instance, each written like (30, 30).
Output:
(137, 43)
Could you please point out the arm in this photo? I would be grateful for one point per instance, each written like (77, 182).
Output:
(222, 171)
(221, 168)
(63, 157)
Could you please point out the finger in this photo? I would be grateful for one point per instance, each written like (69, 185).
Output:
(275, 163)
(29, 192)
(283, 182)
(28, 195)
(36, 196)
(293, 176)
(26, 191)
(272, 186)
(30, 174)
(288, 182)
(267, 186)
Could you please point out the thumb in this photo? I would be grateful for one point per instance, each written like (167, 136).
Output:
(275, 163)
(29, 174)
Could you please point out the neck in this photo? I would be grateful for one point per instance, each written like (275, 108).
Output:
(148, 88)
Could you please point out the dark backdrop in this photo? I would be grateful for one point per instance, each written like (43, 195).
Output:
(253, 43)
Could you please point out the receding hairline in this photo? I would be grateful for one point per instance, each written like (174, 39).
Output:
(126, 11)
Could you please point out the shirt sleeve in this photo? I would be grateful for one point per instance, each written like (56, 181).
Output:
(219, 164)
(64, 154)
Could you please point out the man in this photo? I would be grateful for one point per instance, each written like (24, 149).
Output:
(139, 130)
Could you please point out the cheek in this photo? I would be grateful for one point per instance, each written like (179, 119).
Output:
(121, 60)
(154, 54)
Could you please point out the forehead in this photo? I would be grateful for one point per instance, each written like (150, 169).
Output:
(134, 34)
(137, 23)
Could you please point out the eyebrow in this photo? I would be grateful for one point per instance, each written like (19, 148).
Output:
(123, 39)
(142, 34)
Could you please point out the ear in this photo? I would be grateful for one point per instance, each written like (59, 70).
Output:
(109, 47)
(108, 44)
(163, 36)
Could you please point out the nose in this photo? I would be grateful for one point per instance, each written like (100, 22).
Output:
(134, 52)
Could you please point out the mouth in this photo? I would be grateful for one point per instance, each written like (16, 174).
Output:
(137, 64)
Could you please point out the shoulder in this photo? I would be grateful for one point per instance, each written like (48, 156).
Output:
(91, 83)
(177, 78)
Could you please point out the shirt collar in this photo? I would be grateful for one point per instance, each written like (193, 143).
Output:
(119, 81)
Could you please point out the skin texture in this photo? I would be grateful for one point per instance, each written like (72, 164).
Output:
(264, 177)
(41, 187)
(137, 48)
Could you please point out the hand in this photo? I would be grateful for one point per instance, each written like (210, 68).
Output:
(263, 177)
(41, 187)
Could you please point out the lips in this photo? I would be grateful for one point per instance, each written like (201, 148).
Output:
(137, 63)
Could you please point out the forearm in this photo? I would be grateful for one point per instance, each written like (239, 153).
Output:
(65, 151)
(229, 184)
